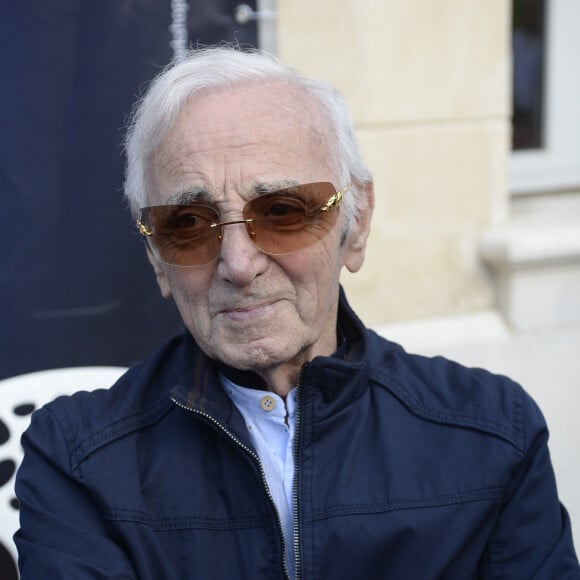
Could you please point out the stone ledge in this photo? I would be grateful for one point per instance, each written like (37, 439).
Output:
(537, 271)
(529, 246)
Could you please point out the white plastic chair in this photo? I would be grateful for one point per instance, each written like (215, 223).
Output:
(19, 396)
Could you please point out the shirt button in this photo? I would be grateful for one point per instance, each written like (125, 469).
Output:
(267, 403)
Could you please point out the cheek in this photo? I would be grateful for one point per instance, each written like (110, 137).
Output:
(315, 276)
(190, 292)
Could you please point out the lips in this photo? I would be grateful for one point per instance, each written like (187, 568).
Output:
(248, 312)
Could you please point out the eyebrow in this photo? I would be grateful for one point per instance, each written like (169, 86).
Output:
(192, 195)
(262, 188)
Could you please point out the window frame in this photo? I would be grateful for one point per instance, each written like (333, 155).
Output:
(555, 167)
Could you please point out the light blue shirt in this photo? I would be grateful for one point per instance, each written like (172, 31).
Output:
(271, 422)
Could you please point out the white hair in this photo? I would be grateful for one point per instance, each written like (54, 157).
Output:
(219, 68)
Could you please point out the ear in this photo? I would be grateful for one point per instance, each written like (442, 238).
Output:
(160, 274)
(356, 241)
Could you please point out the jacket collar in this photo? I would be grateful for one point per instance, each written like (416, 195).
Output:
(333, 381)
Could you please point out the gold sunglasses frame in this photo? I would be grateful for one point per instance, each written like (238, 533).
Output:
(331, 203)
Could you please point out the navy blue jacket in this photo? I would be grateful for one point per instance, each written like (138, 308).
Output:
(407, 468)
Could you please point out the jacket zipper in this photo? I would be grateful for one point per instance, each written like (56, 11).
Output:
(257, 461)
(295, 490)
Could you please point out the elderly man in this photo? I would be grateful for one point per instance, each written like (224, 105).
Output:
(278, 437)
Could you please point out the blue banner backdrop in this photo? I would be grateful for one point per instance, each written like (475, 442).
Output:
(75, 286)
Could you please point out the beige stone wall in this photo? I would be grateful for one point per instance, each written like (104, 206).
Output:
(428, 86)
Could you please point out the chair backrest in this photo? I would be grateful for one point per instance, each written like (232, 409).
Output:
(19, 396)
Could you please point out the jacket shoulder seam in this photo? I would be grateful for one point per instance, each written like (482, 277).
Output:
(70, 451)
(513, 435)
(116, 429)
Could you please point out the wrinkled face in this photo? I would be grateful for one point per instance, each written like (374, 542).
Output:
(246, 308)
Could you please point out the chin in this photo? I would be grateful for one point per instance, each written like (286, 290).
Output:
(248, 357)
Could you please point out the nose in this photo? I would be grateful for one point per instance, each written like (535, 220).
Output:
(240, 262)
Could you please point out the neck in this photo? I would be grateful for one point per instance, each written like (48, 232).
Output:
(281, 380)
(283, 377)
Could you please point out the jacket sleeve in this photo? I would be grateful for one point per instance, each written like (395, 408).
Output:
(62, 535)
(532, 537)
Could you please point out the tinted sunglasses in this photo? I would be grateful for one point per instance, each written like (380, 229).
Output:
(279, 222)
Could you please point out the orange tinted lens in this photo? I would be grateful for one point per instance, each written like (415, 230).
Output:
(182, 234)
(291, 219)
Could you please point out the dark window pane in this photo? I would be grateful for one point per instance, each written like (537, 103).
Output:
(528, 44)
